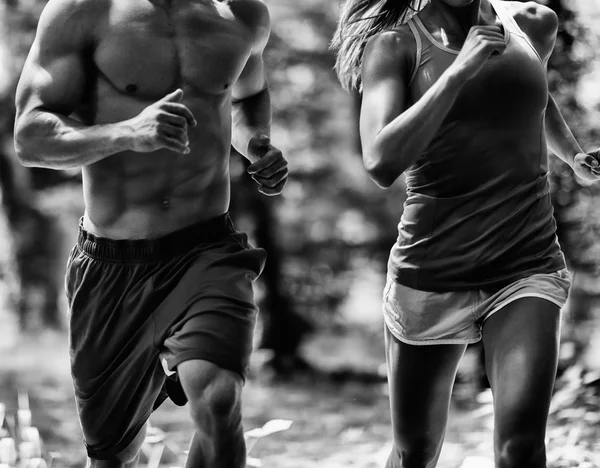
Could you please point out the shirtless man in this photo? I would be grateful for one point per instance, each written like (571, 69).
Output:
(147, 97)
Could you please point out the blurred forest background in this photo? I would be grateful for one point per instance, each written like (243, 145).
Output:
(328, 237)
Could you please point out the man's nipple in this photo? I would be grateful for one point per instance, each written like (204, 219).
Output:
(131, 88)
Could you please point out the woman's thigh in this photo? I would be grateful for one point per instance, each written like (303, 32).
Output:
(421, 380)
(521, 353)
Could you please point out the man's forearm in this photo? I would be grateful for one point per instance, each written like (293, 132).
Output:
(53, 141)
(251, 118)
(559, 137)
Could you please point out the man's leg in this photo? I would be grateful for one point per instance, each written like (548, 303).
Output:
(215, 399)
(127, 458)
(421, 380)
(521, 351)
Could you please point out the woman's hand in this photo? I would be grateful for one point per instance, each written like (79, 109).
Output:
(587, 165)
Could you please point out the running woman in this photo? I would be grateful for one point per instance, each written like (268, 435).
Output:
(455, 96)
(147, 96)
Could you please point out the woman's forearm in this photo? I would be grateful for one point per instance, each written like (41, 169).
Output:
(400, 142)
(559, 137)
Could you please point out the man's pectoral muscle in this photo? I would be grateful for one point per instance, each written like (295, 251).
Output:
(147, 163)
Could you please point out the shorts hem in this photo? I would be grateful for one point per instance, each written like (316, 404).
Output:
(441, 341)
(203, 356)
(410, 279)
(112, 453)
(499, 307)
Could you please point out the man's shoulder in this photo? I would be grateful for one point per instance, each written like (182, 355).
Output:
(254, 14)
(538, 21)
(71, 23)
(79, 9)
(79, 16)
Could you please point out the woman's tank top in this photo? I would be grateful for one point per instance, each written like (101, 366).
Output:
(478, 213)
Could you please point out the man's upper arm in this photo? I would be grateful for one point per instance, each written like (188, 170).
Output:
(384, 80)
(253, 78)
(54, 75)
(540, 24)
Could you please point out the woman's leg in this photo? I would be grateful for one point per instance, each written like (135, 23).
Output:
(420, 380)
(521, 351)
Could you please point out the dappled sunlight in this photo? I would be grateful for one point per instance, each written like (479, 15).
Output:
(325, 402)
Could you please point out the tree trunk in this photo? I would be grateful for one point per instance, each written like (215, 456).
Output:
(34, 241)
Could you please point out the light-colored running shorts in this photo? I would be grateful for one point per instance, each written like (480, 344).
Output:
(426, 318)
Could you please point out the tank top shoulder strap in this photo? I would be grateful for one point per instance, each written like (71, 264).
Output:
(419, 42)
(509, 22)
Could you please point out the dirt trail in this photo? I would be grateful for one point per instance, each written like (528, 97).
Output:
(334, 425)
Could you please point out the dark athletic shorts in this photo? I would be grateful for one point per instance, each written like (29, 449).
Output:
(184, 296)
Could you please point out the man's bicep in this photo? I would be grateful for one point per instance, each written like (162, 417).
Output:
(252, 80)
(54, 74)
(54, 84)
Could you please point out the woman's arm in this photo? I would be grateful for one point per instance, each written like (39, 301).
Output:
(540, 24)
(392, 134)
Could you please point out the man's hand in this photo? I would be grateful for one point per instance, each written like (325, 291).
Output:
(163, 124)
(587, 166)
(269, 168)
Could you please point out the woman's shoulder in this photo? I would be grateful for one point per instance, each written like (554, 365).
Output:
(392, 43)
(538, 22)
(401, 34)
(532, 14)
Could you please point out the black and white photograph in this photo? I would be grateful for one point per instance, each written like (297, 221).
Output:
(299, 234)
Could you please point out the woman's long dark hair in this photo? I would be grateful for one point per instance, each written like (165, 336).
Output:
(359, 21)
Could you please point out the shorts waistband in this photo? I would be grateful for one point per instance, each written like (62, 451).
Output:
(149, 250)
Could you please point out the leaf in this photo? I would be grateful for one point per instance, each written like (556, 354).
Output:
(477, 462)
(253, 462)
(271, 427)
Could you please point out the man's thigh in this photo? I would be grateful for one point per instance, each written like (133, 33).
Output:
(115, 363)
(211, 314)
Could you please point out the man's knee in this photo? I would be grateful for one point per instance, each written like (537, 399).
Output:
(216, 403)
(414, 453)
(521, 451)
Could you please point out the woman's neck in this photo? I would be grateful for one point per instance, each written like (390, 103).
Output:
(467, 16)
(458, 20)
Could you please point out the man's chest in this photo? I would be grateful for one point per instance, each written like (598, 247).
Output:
(148, 48)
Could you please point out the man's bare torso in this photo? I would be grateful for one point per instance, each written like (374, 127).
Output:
(143, 50)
